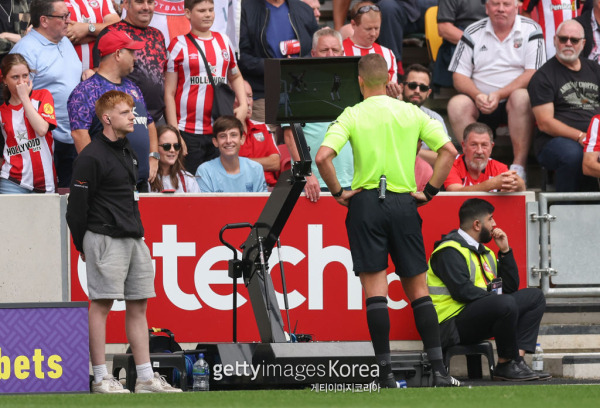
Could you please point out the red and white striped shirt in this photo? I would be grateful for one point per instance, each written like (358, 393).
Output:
(550, 14)
(591, 143)
(351, 49)
(194, 94)
(88, 11)
(28, 158)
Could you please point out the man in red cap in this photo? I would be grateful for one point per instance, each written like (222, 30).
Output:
(117, 61)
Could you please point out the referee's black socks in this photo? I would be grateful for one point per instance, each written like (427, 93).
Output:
(378, 320)
(426, 320)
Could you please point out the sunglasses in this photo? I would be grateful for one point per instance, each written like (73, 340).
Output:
(167, 146)
(563, 40)
(413, 85)
(366, 9)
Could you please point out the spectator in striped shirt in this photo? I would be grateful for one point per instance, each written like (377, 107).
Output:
(188, 92)
(27, 119)
(366, 24)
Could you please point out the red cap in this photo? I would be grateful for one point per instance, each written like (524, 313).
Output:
(117, 40)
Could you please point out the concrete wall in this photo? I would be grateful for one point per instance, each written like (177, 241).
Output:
(33, 249)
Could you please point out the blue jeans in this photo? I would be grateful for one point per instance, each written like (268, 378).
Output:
(565, 157)
(8, 187)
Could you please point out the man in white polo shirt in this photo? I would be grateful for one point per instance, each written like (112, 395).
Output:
(492, 65)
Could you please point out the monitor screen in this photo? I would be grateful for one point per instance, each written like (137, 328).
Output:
(310, 89)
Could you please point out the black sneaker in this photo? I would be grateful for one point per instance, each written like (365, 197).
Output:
(388, 382)
(541, 375)
(447, 380)
(513, 371)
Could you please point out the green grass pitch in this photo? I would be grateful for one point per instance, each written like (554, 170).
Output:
(529, 396)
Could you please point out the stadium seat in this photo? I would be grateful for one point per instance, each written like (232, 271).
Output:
(433, 39)
(473, 353)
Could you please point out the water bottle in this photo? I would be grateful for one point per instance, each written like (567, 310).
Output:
(538, 359)
(201, 374)
(401, 384)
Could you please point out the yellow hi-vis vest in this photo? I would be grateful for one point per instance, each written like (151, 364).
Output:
(445, 306)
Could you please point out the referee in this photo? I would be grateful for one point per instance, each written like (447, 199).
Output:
(382, 206)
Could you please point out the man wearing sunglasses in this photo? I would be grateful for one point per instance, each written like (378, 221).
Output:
(492, 65)
(416, 89)
(55, 67)
(565, 96)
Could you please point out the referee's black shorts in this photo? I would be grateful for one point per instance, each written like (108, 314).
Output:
(377, 228)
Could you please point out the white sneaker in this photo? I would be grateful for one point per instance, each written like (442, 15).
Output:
(109, 385)
(156, 384)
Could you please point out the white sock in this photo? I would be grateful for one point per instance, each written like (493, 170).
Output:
(99, 372)
(144, 371)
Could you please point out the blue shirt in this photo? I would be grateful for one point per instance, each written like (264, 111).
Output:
(279, 27)
(58, 69)
(212, 177)
(314, 133)
(82, 115)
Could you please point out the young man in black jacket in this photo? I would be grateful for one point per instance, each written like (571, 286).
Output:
(477, 297)
(107, 230)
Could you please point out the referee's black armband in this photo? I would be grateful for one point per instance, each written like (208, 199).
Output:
(430, 191)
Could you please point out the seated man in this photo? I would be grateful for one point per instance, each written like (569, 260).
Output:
(475, 171)
(230, 173)
(452, 18)
(260, 145)
(366, 23)
(565, 96)
(492, 65)
(326, 43)
(468, 312)
(416, 89)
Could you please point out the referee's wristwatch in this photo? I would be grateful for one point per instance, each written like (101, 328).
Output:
(155, 155)
(338, 194)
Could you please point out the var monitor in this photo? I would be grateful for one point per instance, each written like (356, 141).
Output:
(304, 90)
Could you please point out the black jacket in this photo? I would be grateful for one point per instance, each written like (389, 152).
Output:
(102, 191)
(450, 266)
(586, 21)
(253, 40)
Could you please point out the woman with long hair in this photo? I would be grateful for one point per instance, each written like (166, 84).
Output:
(171, 176)
(27, 118)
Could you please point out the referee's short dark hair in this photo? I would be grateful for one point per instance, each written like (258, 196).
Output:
(373, 69)
(473, 209)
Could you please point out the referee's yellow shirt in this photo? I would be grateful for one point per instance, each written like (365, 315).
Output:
(384, 132)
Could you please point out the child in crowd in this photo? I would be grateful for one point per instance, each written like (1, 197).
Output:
(188, 92)
(171, 174)
(230, 173)
(27, 121)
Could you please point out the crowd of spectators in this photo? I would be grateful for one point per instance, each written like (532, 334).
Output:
(540, 80)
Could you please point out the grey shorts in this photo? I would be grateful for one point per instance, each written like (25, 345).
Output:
(118, 268)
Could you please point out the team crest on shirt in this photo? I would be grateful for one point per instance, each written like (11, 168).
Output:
(225, 55)
(134, 93)
(259, 136)
(48, 109)
(94, 4)
(518, 42)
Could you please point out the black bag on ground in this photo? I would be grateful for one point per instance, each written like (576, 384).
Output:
(161, 341)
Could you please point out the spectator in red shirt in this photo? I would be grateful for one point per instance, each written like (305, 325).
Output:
(475, 171)
(260, 145)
